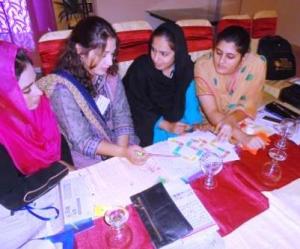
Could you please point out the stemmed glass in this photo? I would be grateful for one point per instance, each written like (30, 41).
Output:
(119, 234)
(286, 129)
(271, 171)
(211, 164)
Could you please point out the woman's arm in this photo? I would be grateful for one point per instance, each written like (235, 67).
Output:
(80, 133)
(227, 126)
(75, 127)
(174, 127)
(122, 121)
(144, 112)
(123, 140)
(210, 109)
(134, 153)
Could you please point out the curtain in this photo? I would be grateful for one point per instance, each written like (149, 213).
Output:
(23, 21)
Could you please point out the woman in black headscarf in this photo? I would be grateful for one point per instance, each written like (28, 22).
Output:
(160, 87)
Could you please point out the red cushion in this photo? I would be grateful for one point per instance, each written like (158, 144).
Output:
(49, 53)
(198, 38)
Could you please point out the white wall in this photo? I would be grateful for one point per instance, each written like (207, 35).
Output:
(129, 10)
(288, 15)
(289, 20)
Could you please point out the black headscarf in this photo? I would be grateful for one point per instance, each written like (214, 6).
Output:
(151, 94)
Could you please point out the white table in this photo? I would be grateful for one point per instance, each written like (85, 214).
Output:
(115, 180)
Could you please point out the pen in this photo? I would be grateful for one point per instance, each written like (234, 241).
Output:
(139, 153)
(272, 119)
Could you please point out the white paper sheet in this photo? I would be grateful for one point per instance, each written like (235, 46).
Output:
(203, 240)
(192, 146)
(76, 198)
(190, 206)
(269, 125)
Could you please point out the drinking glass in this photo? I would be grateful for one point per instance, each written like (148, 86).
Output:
(286, 129)
(211, 164)
(119, 234)
(271, 171)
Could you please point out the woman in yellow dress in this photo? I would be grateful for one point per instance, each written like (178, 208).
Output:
(229, 85)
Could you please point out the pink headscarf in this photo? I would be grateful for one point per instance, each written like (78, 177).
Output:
(31, 137)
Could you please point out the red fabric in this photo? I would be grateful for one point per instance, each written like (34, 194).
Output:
(198, 38)
(49, 53)
(133, 44)
(264, 26)
(233, 201)
(130, 53)
(236, 199)
(94, 238)
(251, 168)
(224, 23)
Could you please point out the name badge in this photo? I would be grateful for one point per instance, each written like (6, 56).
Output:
(102, 103)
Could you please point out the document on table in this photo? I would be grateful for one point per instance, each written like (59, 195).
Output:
(193, 145)
(204, 239)
(76, 198)
(270, 126)
(190, 206)
(113, 181)
(204, 234)
(189, 149)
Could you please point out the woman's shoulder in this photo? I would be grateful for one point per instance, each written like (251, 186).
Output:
(255, 59)
(61, 94)
(50, 83)
(113, 81)
(205, 57)
(139, 68)
(142, 61)
(204, 60)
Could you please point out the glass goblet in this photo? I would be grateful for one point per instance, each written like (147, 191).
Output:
(271, 171)
(211, 164)
(119, 234)
(286, 129)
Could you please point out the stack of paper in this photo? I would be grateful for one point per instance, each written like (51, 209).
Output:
(190, 206)
(204, 234)
(77, 204)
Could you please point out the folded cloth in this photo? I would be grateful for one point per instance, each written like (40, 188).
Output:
(233, 201)
(251, 166)
(94, 238)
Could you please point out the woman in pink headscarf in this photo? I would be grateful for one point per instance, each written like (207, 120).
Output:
(30, 141)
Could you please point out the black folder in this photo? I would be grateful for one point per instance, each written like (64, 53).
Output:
(163, 220)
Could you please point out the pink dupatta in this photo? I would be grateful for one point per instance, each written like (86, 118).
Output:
(31, 137)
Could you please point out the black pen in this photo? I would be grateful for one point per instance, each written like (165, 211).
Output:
(272, 119)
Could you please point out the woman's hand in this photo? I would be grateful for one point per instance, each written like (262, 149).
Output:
(178, 128)
(203, 127)
(136, 154)
(253, 142)
(224, 132)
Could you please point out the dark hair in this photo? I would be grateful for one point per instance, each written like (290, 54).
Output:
(238, 35)
(163, 30)
(22, 60)
(91, 32)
